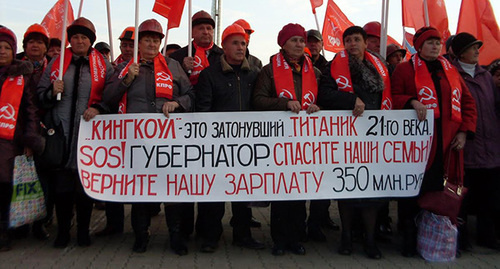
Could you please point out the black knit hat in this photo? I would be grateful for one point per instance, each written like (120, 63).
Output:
(461, 42)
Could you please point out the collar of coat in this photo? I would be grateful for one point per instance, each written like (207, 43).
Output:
(226, 68)
(18, 67)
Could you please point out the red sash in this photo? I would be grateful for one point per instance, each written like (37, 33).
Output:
(283, 80)
(10, 100)
(97, 73)
(426, 91)
(200, 62)
(119, 60)
(339, 70)
(163, 81)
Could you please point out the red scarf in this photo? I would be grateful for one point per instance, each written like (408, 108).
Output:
(200, 62)
(119, 60)
(283, 80)
(10, 100)
(163, 81)
(426, 90)
(97, 73)
(340, 71)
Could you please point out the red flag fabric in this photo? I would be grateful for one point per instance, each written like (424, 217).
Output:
(315, 4)
(414, 16)
(333, 27)
(53, 21)
(477, 18)
(170, 9)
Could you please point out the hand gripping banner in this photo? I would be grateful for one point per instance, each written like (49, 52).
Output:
(253, 156)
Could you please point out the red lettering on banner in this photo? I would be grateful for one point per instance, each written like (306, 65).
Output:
(190, 184)
(361, 152)
(297, 153)
(406, 151)
(324, 126)
(112, 157)
(119, 184)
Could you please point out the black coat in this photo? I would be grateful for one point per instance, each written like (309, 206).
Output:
(221, 88)
(213, 55)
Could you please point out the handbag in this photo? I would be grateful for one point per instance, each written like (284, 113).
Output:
(55, 154)
(448, 201)
(436, 237)
(28, 202)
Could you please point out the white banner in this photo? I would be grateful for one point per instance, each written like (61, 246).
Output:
(253, 156)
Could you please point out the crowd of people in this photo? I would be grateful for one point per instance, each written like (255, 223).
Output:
(466, 107)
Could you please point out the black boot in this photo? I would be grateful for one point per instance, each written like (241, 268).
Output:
(84, 206)
(141, 242)
(409, 239)
(5, 240)
(64, 213)
(39, 230)
(173, 218)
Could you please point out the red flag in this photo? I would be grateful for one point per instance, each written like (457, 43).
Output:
(53, 21)
(333, 27)
(170, 9)
(477, 18)
(315, 4)
(414, 16)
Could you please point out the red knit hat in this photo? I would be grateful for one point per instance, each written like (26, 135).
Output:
(423, 34)
(8, 36)
(289, 30)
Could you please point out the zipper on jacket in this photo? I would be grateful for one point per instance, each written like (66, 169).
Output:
(239, 88)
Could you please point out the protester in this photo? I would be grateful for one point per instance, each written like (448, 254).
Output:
(126, 45)
(35, 45)
(315, 44)
(171, 48)
(80, 96)
(204, 54)
(133, 89)
(252, 60)
(21, 98)
(494, 69)
(427, 70)
(481, 154)
(54, 48)
(223, 87)
(104, 49)
(394, 56)
(372, 30)
(288, 93)
(450, 56)
(367, 88)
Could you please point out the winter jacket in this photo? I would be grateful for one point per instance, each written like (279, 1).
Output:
(220, 88)
(26, 133)
(141, 92)
(264, 94)
(70, 108)
(484, 150)
(253, 61)
(404, 90)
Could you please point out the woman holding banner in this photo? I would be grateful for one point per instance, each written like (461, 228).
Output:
(133, 89)
(281, 88)
(85, 72)
(430, 81)
(356, 80)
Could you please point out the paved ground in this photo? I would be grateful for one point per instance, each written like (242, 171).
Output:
(115, 251)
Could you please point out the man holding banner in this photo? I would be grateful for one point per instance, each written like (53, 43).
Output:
(227, 86)
(289, 82)
(134, 89)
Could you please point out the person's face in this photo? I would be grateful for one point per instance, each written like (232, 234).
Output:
(234, 47)
(471, 55)
(373, 44)
(127, 49)
(496, 78)
(203, 34)
(54, 51)
(430, 49)
(80, 44)
(149, 47)
(35, 49)
(355, 45)
(106, 54)
(314, 46)
(6, 54)
(395, 58)
(294, 47)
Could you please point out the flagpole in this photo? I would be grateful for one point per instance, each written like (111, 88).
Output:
(190, 25)
(317, 26)
(80, 9)
(383, 36)
(165, 47)
(109, 30)
(63, 45)
(136, 37)
(426, 14)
